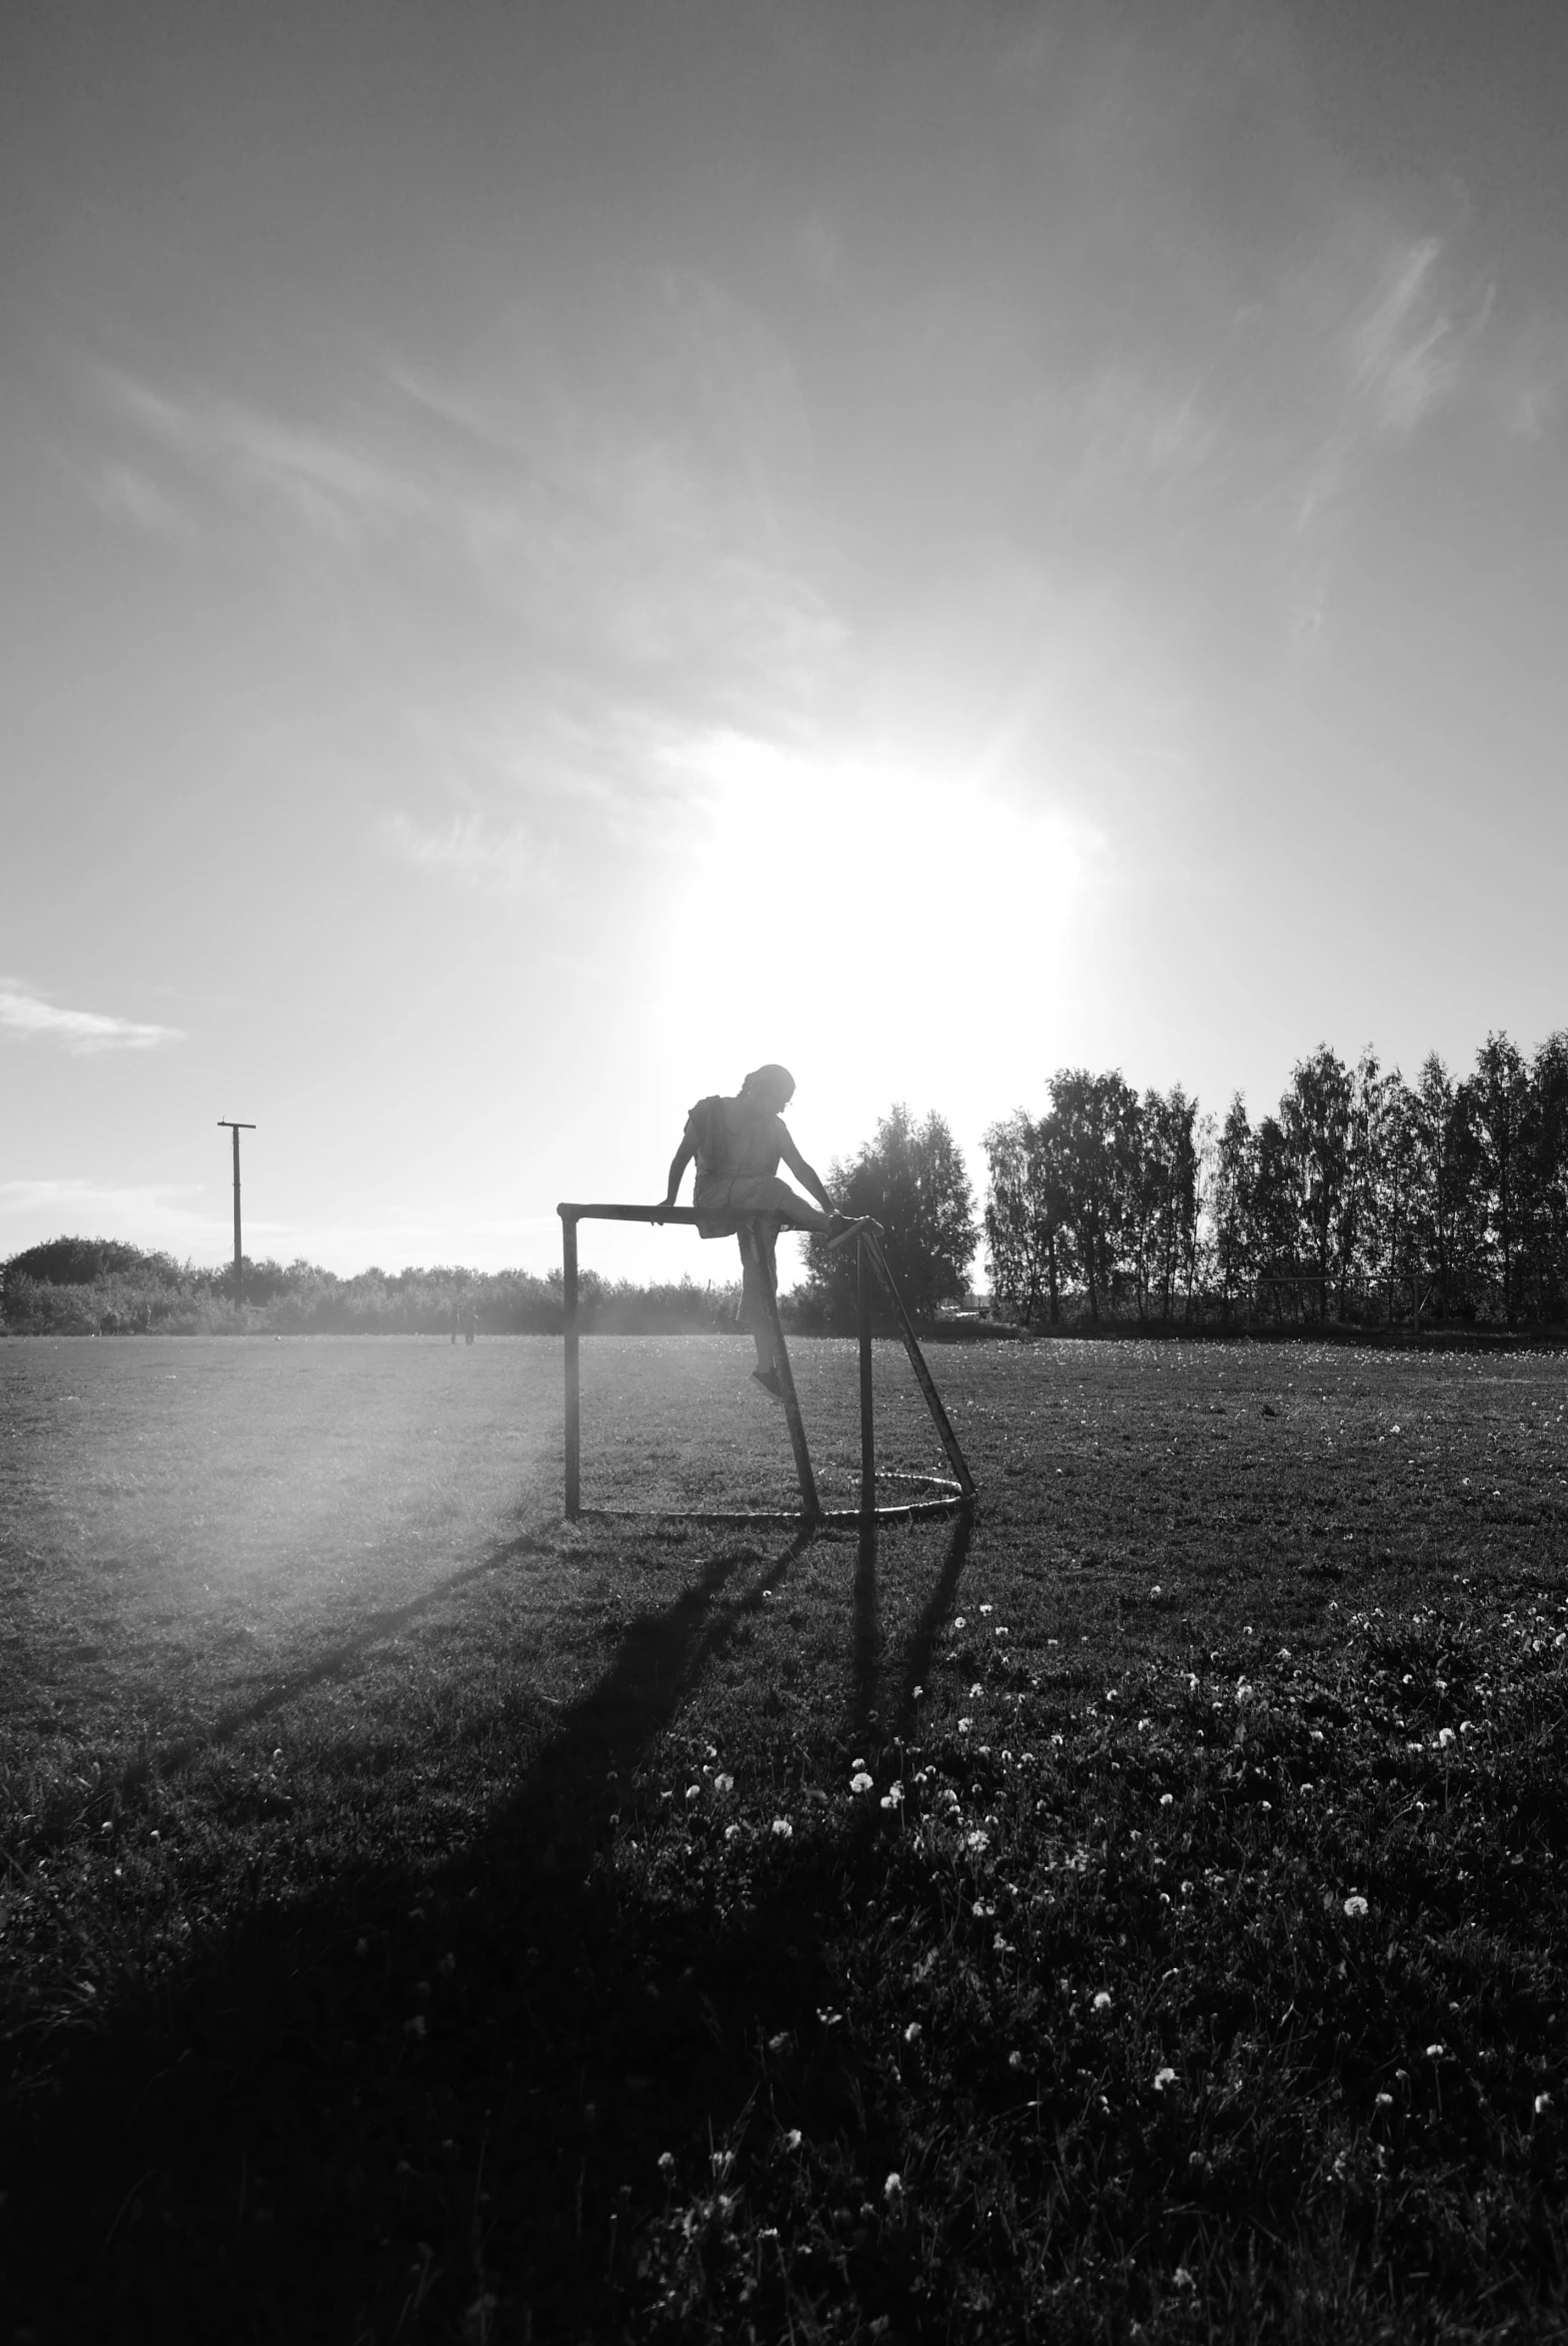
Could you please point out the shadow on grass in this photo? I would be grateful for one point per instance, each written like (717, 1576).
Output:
(416, 2103)
(374, 1631)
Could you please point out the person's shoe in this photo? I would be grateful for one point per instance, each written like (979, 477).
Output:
(844, 1228)
(768, 1379)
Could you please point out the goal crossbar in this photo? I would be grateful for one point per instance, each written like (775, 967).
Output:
(871, 1268)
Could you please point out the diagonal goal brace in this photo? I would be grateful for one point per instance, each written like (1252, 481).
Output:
(955, 1496)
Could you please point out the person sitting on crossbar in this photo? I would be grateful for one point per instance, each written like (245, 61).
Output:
(737, 1143)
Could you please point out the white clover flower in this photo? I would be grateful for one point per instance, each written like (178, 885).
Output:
(1385, 2101)
(987, 1608)
(893, 2186)
(1000, 1629)
(1182, 2279)
(1543, 2102)
(793, 2139)
(692, 1793)
(724, 1783)
(964, 1727)
(859, 1781)
(1355, 1905)
(1436, 2052)
(975, 1691)
(913, 2033)
(776, 2044)
(666, 2162)
(976, 1840)
(1156, 1590)
(1445, 1737)
(1103, 2000)
(784, 1828)
(731, 1832)
(1166, 1799)
(1163, 2078)
(916, 1693)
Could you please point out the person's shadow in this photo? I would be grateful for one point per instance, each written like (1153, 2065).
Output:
(427, 2099)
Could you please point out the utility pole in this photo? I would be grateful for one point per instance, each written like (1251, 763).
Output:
(239, 1275)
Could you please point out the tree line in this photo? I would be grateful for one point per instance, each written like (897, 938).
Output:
(1363, 1199)
(102, 1287)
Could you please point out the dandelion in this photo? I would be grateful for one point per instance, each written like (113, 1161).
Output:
(793, 2139)
(778, 2043)
(975, 1691)
(987, 1608)
(916, 1695)
(976, 1840)
(1355, 1905)
(731, 1832)
(859, 1781)
(1543, 2102)
(1435, 2052)
(964, 1727)
(913, 2033)
(692, 1793)
(784, 1828)
(1000, 1629)
(1385, 2101)
(961, 1623)
(1445, 1737)
(1163, 2078)
(1182, 2279)
(1168, 1799)
(1103, 2000)
(893, 2186)
(724, 1783)
(1156, 1590)
(893, 1796)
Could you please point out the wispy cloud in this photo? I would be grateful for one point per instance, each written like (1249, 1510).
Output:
(29, 1016)
(1405, 348)
(467, 852)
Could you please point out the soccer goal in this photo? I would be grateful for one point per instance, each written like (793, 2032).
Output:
(945, 1495)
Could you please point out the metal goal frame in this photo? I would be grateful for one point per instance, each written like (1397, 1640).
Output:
(946, 1497)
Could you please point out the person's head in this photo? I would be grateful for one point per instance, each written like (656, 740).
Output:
(770, 1088)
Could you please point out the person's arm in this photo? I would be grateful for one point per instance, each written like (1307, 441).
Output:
(806, 1176)
(678, 1164)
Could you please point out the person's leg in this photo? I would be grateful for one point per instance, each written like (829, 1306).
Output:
(752, 1308)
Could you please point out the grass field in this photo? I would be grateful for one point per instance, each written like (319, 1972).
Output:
(1140, 1914)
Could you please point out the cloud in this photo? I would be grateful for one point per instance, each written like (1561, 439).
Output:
(1404, 349)
(80, 1031)
(468, 852)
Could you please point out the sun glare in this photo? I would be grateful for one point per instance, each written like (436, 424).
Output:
(909, 939)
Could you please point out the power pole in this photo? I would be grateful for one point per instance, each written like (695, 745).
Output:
(239, 1275)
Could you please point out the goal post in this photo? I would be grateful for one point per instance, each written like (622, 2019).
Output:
(949, 1497)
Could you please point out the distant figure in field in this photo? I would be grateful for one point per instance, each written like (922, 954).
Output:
(737, 1143)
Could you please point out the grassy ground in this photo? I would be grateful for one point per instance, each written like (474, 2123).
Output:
(1141, 1915)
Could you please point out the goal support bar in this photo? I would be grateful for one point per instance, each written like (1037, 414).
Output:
(871, 1262)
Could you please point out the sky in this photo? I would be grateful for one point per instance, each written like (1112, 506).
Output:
(551, 554)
